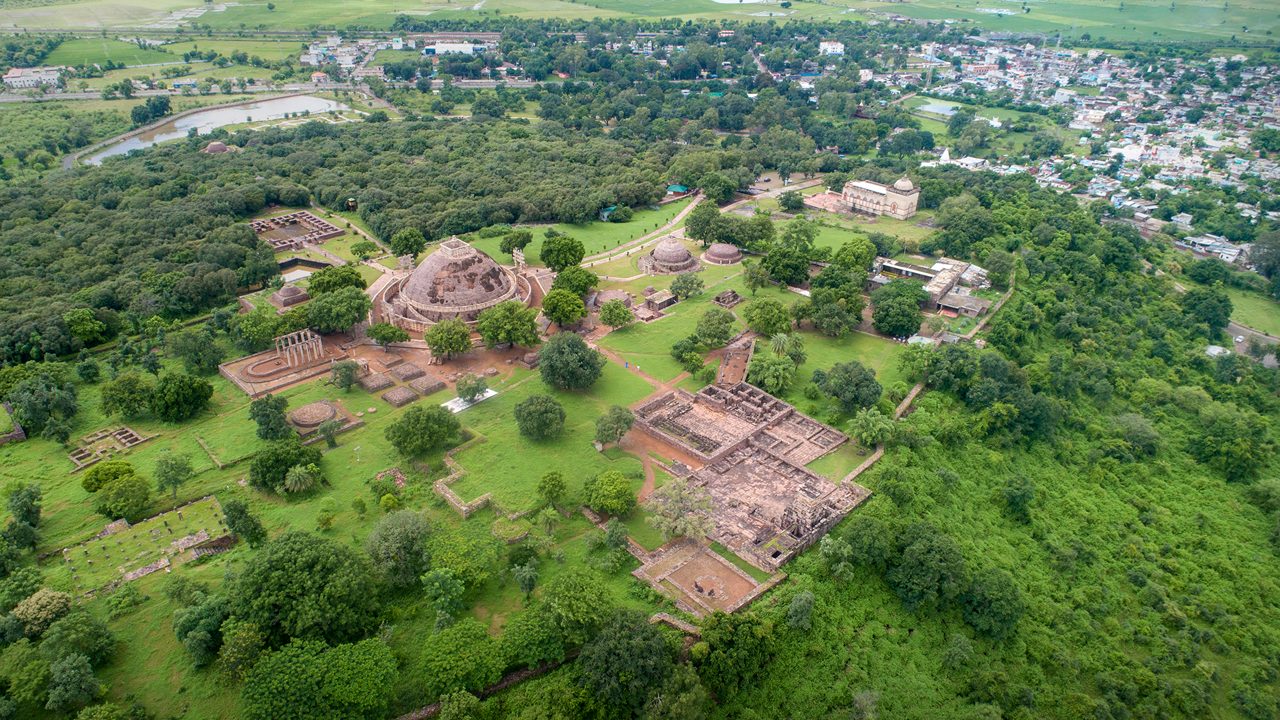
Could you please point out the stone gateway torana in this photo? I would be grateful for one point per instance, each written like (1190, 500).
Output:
(456, 281)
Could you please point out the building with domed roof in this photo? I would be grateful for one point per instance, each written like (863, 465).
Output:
(898, 200)
(722, 254)
(455, 281)
(668, 258)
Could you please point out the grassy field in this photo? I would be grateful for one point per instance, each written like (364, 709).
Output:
(509, 465)
(596, 236)
(88, 51)
(1255, 310)
(1100, 19)
(269, 50)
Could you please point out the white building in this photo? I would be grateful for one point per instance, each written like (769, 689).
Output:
(830, 47)
(23, 78)
(445, 48)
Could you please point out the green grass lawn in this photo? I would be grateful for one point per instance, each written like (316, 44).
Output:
(840, 462)
(270, 50)
(748, 568)
(596, 236)
(509, 465)
(87, 51)
(1255, 310)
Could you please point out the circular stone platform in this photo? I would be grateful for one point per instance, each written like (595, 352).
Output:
(312, 415)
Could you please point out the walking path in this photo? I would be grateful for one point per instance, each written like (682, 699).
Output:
(639, 243)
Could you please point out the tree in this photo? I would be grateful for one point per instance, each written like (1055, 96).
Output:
(930, 569)
(444, 589)
(40, 400)
(871, 427)
(771, 373)
(576, 603)
(790, 345)
(682, 697)
(791, 201)
(338, 311)
(1231, 440)
(179, 397)
(610, 493)
(40, 610)
(509, 322)
(421, 429)
(198, 627)
(515, 240)
(384, 334)
(268, 412)
(551, 487)
(243, 524)
(800, 611)
(566, 363)
(625, 663)
(343, 375)
(526, 577)
(716, 327)
(307, 587)
(462, 656)
(127, 396)
(199, 354)
(754, 276)
(24, 503)
(328, 430)
(448, 338)
(615, 423)
(398, 548)
(1019, 492)
(242, 645)
(686, 285)
(470, 387)
(853, 385)
(576, 279)
(78, 633)
(308, 681)
(563, 307)
(767, 317)
(364, 249)
(84, 326)
(407, 241)
(733, 651)
(303, 478)
(561, 251)
(616, 314)
(127, 496)
(993, 604)
(681, 510)
(896, 308)
(1210, 306)
(269, 466)
(104, 472)
(172, 471)
(71, 684)
(335, 277)
(539, 417)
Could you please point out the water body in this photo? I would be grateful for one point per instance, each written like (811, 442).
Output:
(939, 109)
(206, 121)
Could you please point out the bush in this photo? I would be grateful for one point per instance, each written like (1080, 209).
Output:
(128, 496)
(539, 417)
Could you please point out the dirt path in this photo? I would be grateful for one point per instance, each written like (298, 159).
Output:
(647, 488)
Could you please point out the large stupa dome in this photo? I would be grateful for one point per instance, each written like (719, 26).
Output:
(670, 256)
(455, 281)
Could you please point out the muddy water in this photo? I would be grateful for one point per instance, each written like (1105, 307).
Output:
(206, 121)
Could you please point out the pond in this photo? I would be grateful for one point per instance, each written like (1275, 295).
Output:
(938, 108)
(206, 121)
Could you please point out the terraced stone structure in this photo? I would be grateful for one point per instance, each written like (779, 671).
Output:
(749, 450)
(456, 281)
(293, 231)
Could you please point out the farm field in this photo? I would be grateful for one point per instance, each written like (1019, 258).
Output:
(270, 50)
(90, 51)
(1194, 20)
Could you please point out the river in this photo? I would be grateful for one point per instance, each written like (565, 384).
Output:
(206, 121)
